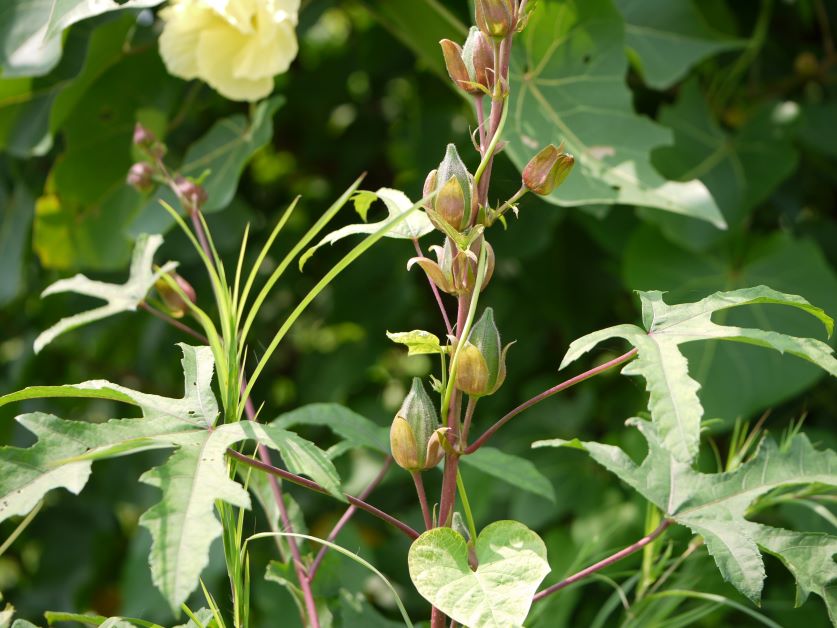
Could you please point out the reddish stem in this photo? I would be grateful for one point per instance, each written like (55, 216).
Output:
(435, 291)
(547, 393)
(422, 497)
(604, 563)
(350, 511)
(310, 484)
(174, 323)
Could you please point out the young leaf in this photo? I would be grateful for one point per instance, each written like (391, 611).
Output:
(120, 297)
(397, 203)
(714, 506)
(418, 342)
(511, 564)
(673, 402)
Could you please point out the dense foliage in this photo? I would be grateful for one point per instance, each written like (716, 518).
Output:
(704, 144)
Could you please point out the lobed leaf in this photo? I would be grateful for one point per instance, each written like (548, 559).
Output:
(673, 400)
(119, 297)
(715, 506)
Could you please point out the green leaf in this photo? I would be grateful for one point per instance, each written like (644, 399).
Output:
(31, 30)
(14, 231)
(414, 226)
(739, 380)
(513, 470)
(741, 170)
(354, 428)
(714, 505)
(204, 616)
(418, 341)
(363, 200)
(568, 84)
(224, 152)
(669, 38)
(673, 402)
(120, 297)
(511, 564)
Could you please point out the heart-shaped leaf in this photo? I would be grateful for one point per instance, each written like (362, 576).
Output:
(511, 564)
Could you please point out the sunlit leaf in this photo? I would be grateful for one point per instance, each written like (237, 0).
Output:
(418, 342)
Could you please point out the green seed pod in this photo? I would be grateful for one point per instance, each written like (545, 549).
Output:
(547, 170)
(453, 166)
(482, 364)
(415, 435)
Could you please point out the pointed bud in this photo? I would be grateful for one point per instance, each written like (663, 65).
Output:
(456, 68)
(495, 17)
(175, 303)
(547, 170)
(453, 166)
(479, 58)
(482, 368)
(415, 436)
(140, 177)
(450, 203)
(192, 194)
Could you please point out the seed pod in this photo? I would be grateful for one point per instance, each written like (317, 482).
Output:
(173, 301)
(482, 364)
(456, 67)
(547, 170)
(479, 58)
(495, 17)
(429, 186)
(453, 166)
(415, 435)
(140, 177)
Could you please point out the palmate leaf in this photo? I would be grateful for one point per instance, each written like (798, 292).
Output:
(182, 523)
(120, 297)
(715, 506)
(674, 405)
(568, 84)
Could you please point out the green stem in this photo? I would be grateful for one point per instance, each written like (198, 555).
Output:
(466, 506)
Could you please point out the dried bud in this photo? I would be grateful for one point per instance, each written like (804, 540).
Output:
(456, 67)
(495, 17)
(175, 303)
(479, 58)
(450, 203)
(547, 170)
(192, 194)
(143, 137)
(141, 177)
(482, 363)
(415, 437)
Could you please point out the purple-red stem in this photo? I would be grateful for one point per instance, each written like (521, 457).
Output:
(310, 484)
(547, 393)
(604, 563)
(312, 570)
(174, 323)
(435, 291)
(422, 497)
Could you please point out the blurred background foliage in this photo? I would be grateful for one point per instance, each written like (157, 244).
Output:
(738, 95)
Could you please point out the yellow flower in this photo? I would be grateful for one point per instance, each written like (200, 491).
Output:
(236, 46)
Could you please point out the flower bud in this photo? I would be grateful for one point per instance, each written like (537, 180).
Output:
(143, 137)
(456, 67)
(453, 166)
(482, 362)
(192, 194)
(450, 203)
(415, 437)
(479, 58)
(547, 170)
(495, 17)
(175, 303)
(140, 177)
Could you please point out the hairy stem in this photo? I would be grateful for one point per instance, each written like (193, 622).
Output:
(544, 395)
(649, 538)
(350, 511)
(310, 484)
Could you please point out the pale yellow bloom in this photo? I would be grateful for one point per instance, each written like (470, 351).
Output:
(236, 46)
